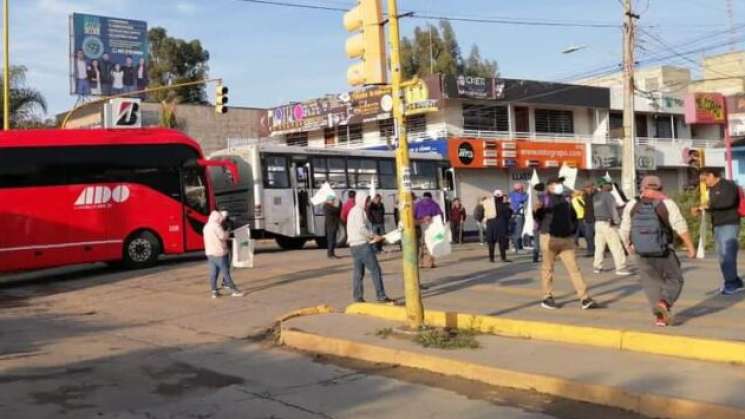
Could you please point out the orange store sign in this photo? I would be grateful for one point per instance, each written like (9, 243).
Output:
(467, 153)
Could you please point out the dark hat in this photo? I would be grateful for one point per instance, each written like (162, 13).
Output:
(555, 180)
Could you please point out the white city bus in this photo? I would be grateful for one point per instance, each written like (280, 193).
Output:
(277, 183)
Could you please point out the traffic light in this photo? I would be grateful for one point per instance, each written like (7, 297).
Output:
(368, 45)
(221, 99)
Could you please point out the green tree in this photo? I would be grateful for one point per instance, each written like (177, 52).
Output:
(435, 49)
(476, 66)
(174, 60)
(27, 105)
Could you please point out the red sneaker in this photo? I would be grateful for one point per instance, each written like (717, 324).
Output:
(662, 312)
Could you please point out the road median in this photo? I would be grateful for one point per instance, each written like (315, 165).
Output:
(687, 347)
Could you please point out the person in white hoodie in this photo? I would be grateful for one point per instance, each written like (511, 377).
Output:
(216, 249)
(361, 239)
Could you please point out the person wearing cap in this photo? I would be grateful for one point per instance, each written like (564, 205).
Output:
(607, 221)
(518, 200)
(558, 225)
(218, 256)
(660, 275)
(497, 217)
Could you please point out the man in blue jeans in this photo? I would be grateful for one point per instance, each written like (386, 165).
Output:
(724, 199)
(217, 252)
(361, 240)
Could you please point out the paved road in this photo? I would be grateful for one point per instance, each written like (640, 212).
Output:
(92, 342)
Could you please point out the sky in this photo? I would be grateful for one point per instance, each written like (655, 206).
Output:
(271, 55)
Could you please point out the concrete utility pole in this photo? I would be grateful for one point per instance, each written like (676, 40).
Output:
(414, 308)
(628, 165)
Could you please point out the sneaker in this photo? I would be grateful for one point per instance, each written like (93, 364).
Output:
(215, 294)
(359, 300)
(662, 312)
(660, 322)
(588, 303)
(386, 300)
(597, 271)
(732, 290)
(623, 272)
(235, 293)
(549, 304)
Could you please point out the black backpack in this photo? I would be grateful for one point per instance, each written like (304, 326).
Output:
(651, 234)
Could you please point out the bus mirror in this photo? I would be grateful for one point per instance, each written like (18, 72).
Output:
(227, 165)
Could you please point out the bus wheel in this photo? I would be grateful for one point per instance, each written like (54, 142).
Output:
(290, 243)
(141, 250)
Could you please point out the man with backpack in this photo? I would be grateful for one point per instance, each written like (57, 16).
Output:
(558, 226)
(724, 201)
(647, 228)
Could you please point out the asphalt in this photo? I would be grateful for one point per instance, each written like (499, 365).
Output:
(81, 341)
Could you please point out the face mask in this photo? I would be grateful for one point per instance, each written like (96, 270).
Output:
(557, 189)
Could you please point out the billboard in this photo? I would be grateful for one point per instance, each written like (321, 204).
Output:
(609, 156)
(359, 106)
(108, 56)
(468, 153)
(705, 108)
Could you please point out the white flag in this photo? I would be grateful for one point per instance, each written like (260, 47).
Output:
(529, 225)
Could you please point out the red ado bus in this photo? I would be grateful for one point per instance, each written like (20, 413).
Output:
(80, 196)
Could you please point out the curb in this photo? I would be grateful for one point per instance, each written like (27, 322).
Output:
(643, 403)
(700, 349)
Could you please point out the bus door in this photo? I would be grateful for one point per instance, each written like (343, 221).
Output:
(196, 205)
(301, 182)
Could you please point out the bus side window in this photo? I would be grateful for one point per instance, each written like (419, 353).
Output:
(276, 175)
(195, 190)
(320, 174)
(337, 173)
(386, 174)
(423, 175)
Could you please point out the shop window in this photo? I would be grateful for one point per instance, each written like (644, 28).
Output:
(350, 134)
(416, 124)
(297, 139)
(485, 118)
(554, 121)
(385, 128)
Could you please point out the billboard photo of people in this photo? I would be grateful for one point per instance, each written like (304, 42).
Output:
(109, 55)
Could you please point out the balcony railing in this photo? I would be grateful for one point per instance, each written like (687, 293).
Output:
(531, 136)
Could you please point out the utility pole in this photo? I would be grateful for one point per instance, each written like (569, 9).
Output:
(6, 66)
(414, 308)
(628, 165)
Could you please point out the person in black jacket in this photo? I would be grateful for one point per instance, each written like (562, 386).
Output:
(332, 216)
(498, 225)
(558, 225)
(724, 200)
(130, 75)
(376, 216)
(106, 79)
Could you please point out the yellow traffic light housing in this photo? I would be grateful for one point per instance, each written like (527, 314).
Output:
(221, 99)
(368, 45)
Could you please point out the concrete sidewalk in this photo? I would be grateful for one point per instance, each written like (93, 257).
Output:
(647, 384)
(466, 282)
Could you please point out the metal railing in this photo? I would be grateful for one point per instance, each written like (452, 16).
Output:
(518, 136)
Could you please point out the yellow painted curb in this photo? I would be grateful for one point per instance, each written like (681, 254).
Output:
(643, 403)
(679, 346)
(307, 311)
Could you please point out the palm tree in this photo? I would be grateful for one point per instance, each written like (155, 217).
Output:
(25, 102)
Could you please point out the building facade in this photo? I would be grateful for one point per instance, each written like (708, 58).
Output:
(494, 132)
(200, 122)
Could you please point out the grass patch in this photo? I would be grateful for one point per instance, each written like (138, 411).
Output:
(384, 333)
(447, 339)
